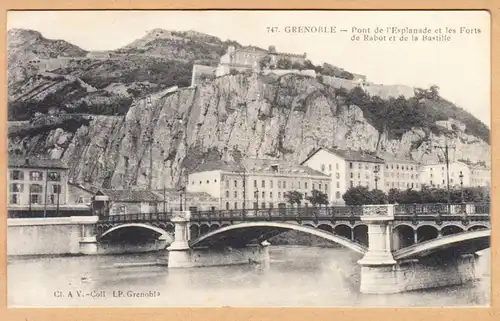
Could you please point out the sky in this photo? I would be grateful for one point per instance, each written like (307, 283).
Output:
(460, 66)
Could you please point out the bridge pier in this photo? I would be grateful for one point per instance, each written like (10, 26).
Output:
(378, 267)
(181, 255)
(88, 240)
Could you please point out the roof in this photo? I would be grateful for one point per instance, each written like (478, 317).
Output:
(218, 165)
(85, 186)
(36, 162)
(174, 191)
(258, 166)
(391, 159)
(349, 155)
(285, 167)
(130, 195)
(251, 48)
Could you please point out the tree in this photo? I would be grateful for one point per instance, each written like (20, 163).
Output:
(393, 196)
(264, 62)
(317, 197)
(272, 49)
(284, 63)
(377, 196)
(293, 197)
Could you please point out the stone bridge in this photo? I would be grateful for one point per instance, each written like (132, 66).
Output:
(389, 238)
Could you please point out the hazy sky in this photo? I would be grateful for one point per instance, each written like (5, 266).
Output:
(460, 67)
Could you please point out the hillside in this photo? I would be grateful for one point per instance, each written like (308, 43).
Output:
(245, 114)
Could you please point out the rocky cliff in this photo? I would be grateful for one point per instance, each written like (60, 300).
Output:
(157, 142)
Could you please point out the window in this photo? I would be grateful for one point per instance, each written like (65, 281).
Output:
(271, 183)
(338, 175)
(336, 165)
(35, 199)
(359, 165)
(235, 205)
(192, 183)
(227, 205)
(326, 187)
(255, 183)
(263, 194)
(263, 205)
(14, 199)
(338, 184)
(352, 184)
(322, 167)
(17, 175)
(263, 183)
(56, 189)
(319, 187)
(284, 184)
(279, 195)
(255, 205)
(36, 188)
(330, 167)
(235, 194)
(36, 176)
(337, 195)
(202, 182)
(279, 184)
(208, 182)
(298, 184)
(271, 194)
(271, 205)
(227, 194)
(16, 188)
(52, 199)
(215, 181)
(314, 186)
(350, 165)
(386, 166)
(443, 181)
(235, 183)
(411, 185)
(359, 175)
(305, 194)
(352, 175)
(305, 185)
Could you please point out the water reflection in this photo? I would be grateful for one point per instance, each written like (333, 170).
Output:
(295, 276)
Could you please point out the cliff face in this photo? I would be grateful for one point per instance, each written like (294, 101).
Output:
(156, 143)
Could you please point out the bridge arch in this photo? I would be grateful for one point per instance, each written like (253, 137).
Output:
(451, 229)
(477, 227)
(159, 231)
(326, 227)
(426, 233)
(204, 229)
(242, 234)
(343, 230)
(360, 233)
(403, 235)
(454, 245)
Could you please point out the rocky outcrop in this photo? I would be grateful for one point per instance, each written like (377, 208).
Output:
(159, 140)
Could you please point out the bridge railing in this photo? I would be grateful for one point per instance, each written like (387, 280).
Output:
(440, 209)
(136, 217)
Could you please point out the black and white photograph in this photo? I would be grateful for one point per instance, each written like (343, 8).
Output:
(214, 158)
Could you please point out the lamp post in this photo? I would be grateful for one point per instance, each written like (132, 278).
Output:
(461, 176)
(181, 190)
(375, 172)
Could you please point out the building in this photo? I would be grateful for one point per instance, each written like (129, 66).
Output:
(434, 175)
(400, 174)
(249, 58)
(255, 183)
(346, 169)
(35, 181)
(99, 55)
(480, 176)
(115, 202)
(193, 201)
(38, 187)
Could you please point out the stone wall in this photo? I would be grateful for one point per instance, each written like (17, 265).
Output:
(38, 236)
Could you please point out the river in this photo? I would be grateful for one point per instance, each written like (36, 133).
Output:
(295, 276)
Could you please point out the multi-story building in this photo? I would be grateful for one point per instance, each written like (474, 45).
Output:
(256, 183)
(480, 176)
(346, 169)
(435, 175)
(36, 182)
(39, 187)
(400, 174)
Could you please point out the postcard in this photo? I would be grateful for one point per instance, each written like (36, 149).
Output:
(248, 158)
